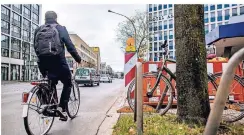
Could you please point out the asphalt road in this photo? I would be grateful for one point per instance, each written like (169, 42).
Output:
(95, 102)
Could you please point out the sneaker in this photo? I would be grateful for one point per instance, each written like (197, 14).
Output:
(63, 115)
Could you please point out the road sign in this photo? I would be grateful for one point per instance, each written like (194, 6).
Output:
(130, 45)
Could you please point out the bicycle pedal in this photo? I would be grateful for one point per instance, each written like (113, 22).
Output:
(65, 118)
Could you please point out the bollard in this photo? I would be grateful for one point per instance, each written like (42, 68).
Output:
(222, 94)
(139, 97)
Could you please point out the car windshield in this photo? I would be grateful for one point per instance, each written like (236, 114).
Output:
(82, 72)
(103, 76)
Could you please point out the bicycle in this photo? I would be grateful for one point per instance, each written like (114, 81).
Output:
(169, 92)
(43, 100)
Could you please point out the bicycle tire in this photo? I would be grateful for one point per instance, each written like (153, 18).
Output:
(241, 82)
(72, 116)
(26, 125)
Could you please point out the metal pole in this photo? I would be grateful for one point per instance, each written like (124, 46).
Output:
(139, 109)
(222, 94)
(135, 92)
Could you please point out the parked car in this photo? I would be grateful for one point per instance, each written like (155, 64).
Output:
(87, 76)
(105, 78)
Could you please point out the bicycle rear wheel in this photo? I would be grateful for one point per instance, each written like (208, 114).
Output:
(233, 110)
(31, 114)
(74, 101)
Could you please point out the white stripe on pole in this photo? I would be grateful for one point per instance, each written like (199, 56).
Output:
(130, 64)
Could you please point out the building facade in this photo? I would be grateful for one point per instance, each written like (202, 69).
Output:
(161, 24)
(18, 59)
(96, 50)
(88, 57)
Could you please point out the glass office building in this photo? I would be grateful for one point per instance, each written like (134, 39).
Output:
(161, 24)
(18, 22)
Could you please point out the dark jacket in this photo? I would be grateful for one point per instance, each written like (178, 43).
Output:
(65, 40)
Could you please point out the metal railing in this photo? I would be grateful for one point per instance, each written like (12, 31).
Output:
(222, 94)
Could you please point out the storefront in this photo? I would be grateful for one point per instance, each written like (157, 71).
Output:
(4, 71)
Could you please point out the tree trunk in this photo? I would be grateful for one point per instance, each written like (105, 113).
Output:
(191, 69)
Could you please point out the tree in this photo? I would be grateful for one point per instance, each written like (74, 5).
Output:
(125, 30)
(191, 69)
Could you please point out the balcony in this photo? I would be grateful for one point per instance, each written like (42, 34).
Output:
(160, 27)
(212, 19)
(16, 9)
(150, 9)
(220, 18)
(5, 17)
(227, 17)
(27, 6)
(27, 16)
(16, 22)
(16, 34)
(5, 30)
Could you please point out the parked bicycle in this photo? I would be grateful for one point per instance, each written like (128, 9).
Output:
(40, 106)
(169, 92)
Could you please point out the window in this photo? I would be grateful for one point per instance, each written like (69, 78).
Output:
(206, 18)
(26, 35)
(212, 7)
(160, 13)
(150, 27)
(205, 7)
(227, 14)
(171, 34)
(170, 5)
(212, 26)
(155, 14)
(150, 7)
(160, 25)
(36, 9)
(155, 37)
(16, 20)
(160, 36)
(171, 45)
(220, 15)
(15, 48)
(170, 12)
(27, 13)
(165, 12)
(35, 18)
(206, 29)
(234, 5)
(26, 50)
(155, 26)
(155, 46)
(234, 12)
(150, 47)
(171, 23)
(5, 27)
(150, 16)
(17, 8)
(165, 6)
(160, 7)
(165, 35)
(227, 5)
(4, 46)
(219, 6)
(16, 31)
(165, 25)
(26, 25)
(241, 10)
(5, 14)
(212, 16)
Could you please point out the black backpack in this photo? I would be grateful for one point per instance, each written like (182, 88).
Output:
(47, 41)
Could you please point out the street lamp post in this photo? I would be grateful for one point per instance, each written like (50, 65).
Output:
(135, 92)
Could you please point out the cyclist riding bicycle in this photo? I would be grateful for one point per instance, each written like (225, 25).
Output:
(49, 40)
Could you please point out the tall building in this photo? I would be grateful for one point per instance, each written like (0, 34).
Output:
(161, 24)
(18, 22)
(96, 50)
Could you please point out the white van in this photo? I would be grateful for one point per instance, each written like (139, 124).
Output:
(87, 76)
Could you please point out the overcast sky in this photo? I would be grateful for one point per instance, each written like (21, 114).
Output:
(95, 26)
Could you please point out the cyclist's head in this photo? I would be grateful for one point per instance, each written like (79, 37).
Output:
(51, 15)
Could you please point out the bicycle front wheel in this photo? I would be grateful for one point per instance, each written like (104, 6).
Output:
(74, 101)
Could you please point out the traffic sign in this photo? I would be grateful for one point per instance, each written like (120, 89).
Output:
(130, 45)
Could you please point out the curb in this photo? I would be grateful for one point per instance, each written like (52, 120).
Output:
(112, 116)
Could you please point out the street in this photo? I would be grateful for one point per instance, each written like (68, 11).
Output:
(95, 103)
